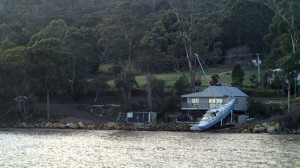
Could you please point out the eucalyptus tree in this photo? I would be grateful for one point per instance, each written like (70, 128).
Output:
(284, 35)
(16, 80)
(120, 36)
(122, 28)
(237, 76)
(6, 44)
(15, 67)
(49, 57)
(152, 49)
(2, 4)
(14, 32)
(98, 84)
(196, 28)
(82, 45)
(243, 28)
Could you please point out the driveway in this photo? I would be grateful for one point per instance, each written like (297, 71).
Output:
(70, 110)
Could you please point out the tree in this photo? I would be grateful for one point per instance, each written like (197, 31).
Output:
(50, 59)
(99, 84)
(253, 79)
(15, 71)
(6, 44)
(120, 36)
(81, 43)
(125, 82)
(286, 20)
(151, 51)
(241, 27)
(288, 11)
(215, 80)
(195, 29)
(158, 94)
(56, 29)
(121, 32)
(237, 76)
(181, 85)
(19, 82)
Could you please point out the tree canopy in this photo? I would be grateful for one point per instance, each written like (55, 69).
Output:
(55, 47)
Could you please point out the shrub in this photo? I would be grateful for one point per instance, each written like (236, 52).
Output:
(262, 111)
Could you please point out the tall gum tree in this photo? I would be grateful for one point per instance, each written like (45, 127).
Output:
(287, 18)
(196, 27)
(48, 54)
(50, 59)
(82, 44)
(120, 36)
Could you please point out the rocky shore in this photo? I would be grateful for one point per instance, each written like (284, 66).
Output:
(102, 126)
(271, 127)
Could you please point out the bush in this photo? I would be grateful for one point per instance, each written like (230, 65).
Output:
(181, 85)
(262, 111)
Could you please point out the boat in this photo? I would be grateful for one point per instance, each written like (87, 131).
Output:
(215, 115)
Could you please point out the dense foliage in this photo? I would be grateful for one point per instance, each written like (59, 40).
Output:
(54, 48)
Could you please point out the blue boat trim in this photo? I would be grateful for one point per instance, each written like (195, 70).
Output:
(220, 117)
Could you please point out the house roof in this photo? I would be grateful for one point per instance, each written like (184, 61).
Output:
(218, 91)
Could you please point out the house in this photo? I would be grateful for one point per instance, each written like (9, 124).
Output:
(212, 97)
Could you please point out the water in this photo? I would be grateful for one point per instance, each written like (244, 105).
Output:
(82, 148)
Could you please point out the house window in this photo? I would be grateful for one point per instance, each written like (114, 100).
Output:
(215, 101)
(195, 101)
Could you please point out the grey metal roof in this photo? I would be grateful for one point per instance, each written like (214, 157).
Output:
(218, 91)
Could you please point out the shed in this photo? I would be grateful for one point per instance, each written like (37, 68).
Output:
(214, 96)
(141, 117)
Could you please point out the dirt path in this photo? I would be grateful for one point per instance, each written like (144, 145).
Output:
(70, 110)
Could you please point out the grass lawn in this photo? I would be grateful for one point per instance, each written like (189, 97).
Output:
(170, 78)
(105, 67)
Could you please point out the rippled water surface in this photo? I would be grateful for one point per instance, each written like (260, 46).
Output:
(69, 148)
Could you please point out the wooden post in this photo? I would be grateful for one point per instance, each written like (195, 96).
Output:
(231, 116)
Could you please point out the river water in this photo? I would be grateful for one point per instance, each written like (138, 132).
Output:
(83, 148)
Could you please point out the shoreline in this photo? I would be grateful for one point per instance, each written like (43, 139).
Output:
(272, 127)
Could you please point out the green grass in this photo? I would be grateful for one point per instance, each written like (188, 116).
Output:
(105, 67)
(170, 78)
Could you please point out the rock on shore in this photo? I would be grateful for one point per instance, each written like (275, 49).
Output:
(272, 127)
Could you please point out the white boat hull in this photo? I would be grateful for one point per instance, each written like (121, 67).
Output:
(213, 116)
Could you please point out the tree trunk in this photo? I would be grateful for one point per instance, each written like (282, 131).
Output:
(149, 90)
(48, 105)
(191, 69)
(48, 97)
(96, 97)
(73, 75)
(153, 6)
(289, 98)
(2, 4)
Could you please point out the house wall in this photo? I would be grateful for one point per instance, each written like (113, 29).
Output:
(242, 104)
(204, 104)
